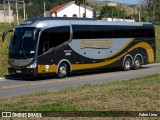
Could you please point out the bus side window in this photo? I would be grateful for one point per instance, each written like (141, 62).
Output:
(149, 31)
(45, 46)
(138, 31)
(100, 31)
(82, 31)
(121, 31)
(58, 35)
(44, 43)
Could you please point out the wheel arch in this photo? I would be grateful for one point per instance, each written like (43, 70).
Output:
(128, 55)
(140, 56)
(64, 61)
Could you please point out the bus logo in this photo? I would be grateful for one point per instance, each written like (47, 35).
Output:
(96, 44)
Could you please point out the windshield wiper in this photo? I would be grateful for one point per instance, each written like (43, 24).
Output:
(22, 47)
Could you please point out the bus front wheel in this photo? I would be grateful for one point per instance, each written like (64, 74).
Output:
(62, 70)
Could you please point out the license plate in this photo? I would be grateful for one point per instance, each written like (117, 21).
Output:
(18, 71)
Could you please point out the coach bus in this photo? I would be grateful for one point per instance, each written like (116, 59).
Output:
(61, 46)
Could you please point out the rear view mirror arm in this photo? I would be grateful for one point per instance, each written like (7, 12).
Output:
(5, 33)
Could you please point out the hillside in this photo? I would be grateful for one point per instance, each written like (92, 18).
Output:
(95, 3)
(34, 8)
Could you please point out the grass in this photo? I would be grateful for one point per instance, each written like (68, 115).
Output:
(141, 94)
(157, 29)
(4, 47)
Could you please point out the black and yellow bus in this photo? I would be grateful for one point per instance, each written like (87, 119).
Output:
(49, 46)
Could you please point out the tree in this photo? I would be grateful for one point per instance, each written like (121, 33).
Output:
(79, 2)
(157, 12)
(151, 10)
(153, 7)
(113, 12)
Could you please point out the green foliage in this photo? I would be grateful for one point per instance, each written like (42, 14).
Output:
(153, 10)
(79, 1)
(157, 29)
(157, 18)
(144, 15)
(4, 46)
(115, 12)
(36, 8)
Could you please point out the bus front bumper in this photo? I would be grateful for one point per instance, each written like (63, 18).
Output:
(27, 72)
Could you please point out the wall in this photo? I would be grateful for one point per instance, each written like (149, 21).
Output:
(7, 18)
(74, 9)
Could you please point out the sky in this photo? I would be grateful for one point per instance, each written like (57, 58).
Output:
(125, 1)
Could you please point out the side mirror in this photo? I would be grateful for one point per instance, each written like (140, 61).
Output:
(5, 33)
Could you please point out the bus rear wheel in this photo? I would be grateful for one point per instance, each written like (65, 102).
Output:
(127, 64)
(137, 63)
(63, 70)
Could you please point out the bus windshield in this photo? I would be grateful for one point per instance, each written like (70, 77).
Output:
(22, 46)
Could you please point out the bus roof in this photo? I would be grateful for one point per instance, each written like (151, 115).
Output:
(39, 19)
(60, 21)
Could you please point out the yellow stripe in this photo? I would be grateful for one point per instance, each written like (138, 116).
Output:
(148, 48)
(43, 69)
(144, 45)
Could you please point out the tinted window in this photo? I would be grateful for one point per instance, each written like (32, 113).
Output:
(58, 35)
(44, 43)
(149, 31)
(121, 31)
(22, 45)
(110, 31)
(101, 31)
(82, 32)
(138, 31)
(52, 37)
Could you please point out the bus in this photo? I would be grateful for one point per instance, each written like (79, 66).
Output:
(61, 46)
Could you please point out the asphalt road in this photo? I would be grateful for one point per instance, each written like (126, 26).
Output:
(12, 87)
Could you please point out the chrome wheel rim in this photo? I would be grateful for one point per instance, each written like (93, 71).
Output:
(127, 65)
(63, 70)
(137, 63)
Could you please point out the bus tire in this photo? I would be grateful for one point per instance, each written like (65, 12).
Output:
(137, 63)
(63, 70)
(127, 64)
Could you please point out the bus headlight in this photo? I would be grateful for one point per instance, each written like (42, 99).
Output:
(34, 65)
